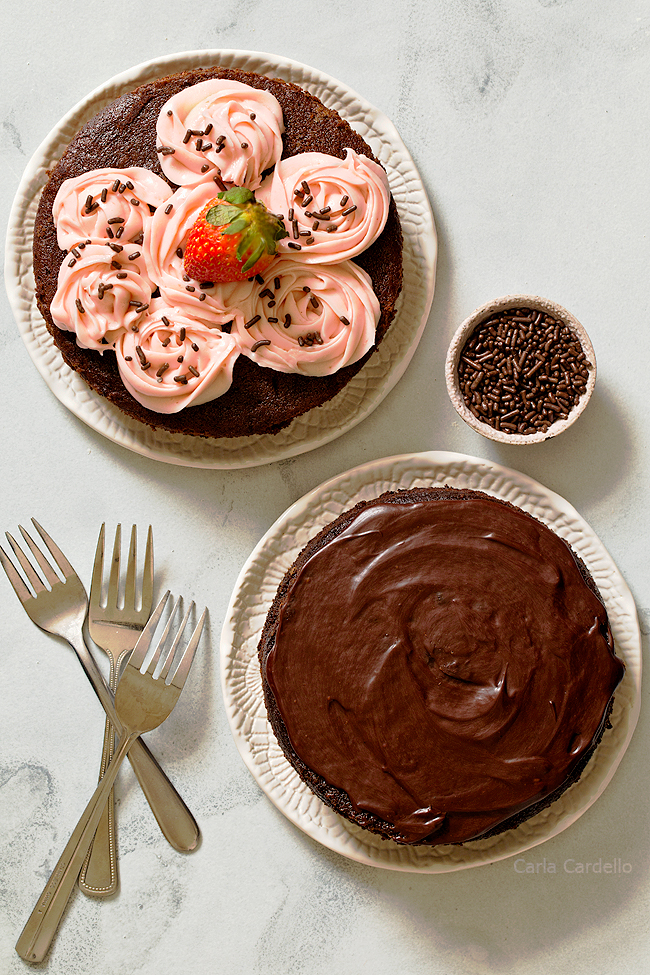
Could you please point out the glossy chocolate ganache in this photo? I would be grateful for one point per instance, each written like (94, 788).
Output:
(438, 665)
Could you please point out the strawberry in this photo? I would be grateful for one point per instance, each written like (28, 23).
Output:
(233, 238)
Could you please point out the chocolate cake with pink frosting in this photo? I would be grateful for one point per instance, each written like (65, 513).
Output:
(438, 666)
(200, 357)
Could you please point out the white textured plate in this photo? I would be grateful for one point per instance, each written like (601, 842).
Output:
(366, 390)
(254, 593)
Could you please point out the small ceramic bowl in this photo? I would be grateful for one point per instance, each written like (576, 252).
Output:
(533, 402)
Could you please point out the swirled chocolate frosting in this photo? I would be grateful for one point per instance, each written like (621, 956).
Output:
(437, 662)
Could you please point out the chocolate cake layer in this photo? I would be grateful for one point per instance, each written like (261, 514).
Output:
(260, 399)
(438, 665)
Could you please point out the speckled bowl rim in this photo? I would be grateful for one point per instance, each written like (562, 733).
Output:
(470, 324)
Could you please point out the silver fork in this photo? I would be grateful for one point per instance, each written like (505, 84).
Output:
(61, 610)
(142, 702)
(115, 629)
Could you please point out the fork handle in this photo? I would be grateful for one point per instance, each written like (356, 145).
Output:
(99, 874)
(38, 933)
(177, 823)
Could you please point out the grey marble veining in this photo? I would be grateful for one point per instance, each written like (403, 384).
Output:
(528, 123)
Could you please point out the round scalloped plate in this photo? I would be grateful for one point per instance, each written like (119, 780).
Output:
(366, 390)
(254, 593)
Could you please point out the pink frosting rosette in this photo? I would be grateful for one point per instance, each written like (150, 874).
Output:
(174, 361)
(170, 228)
(334, 208)
(219, 126)
(309, 319)
(107, 203)
(126, 232)
(101, 291)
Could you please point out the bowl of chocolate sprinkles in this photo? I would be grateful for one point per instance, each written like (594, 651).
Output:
(520, 369)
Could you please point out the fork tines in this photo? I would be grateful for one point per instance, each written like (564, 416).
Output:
(35, 581)
(143, 646)
(112, 594)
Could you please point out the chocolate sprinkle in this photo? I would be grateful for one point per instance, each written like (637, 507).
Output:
(521, 370)
(311, 338)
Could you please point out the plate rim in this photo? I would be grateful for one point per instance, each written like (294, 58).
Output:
(631, 681)
(182, 449)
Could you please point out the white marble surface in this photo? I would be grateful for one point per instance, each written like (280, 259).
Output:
(528, 124)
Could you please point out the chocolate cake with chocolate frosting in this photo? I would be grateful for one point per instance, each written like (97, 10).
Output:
(438, 665)
(260, 400)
